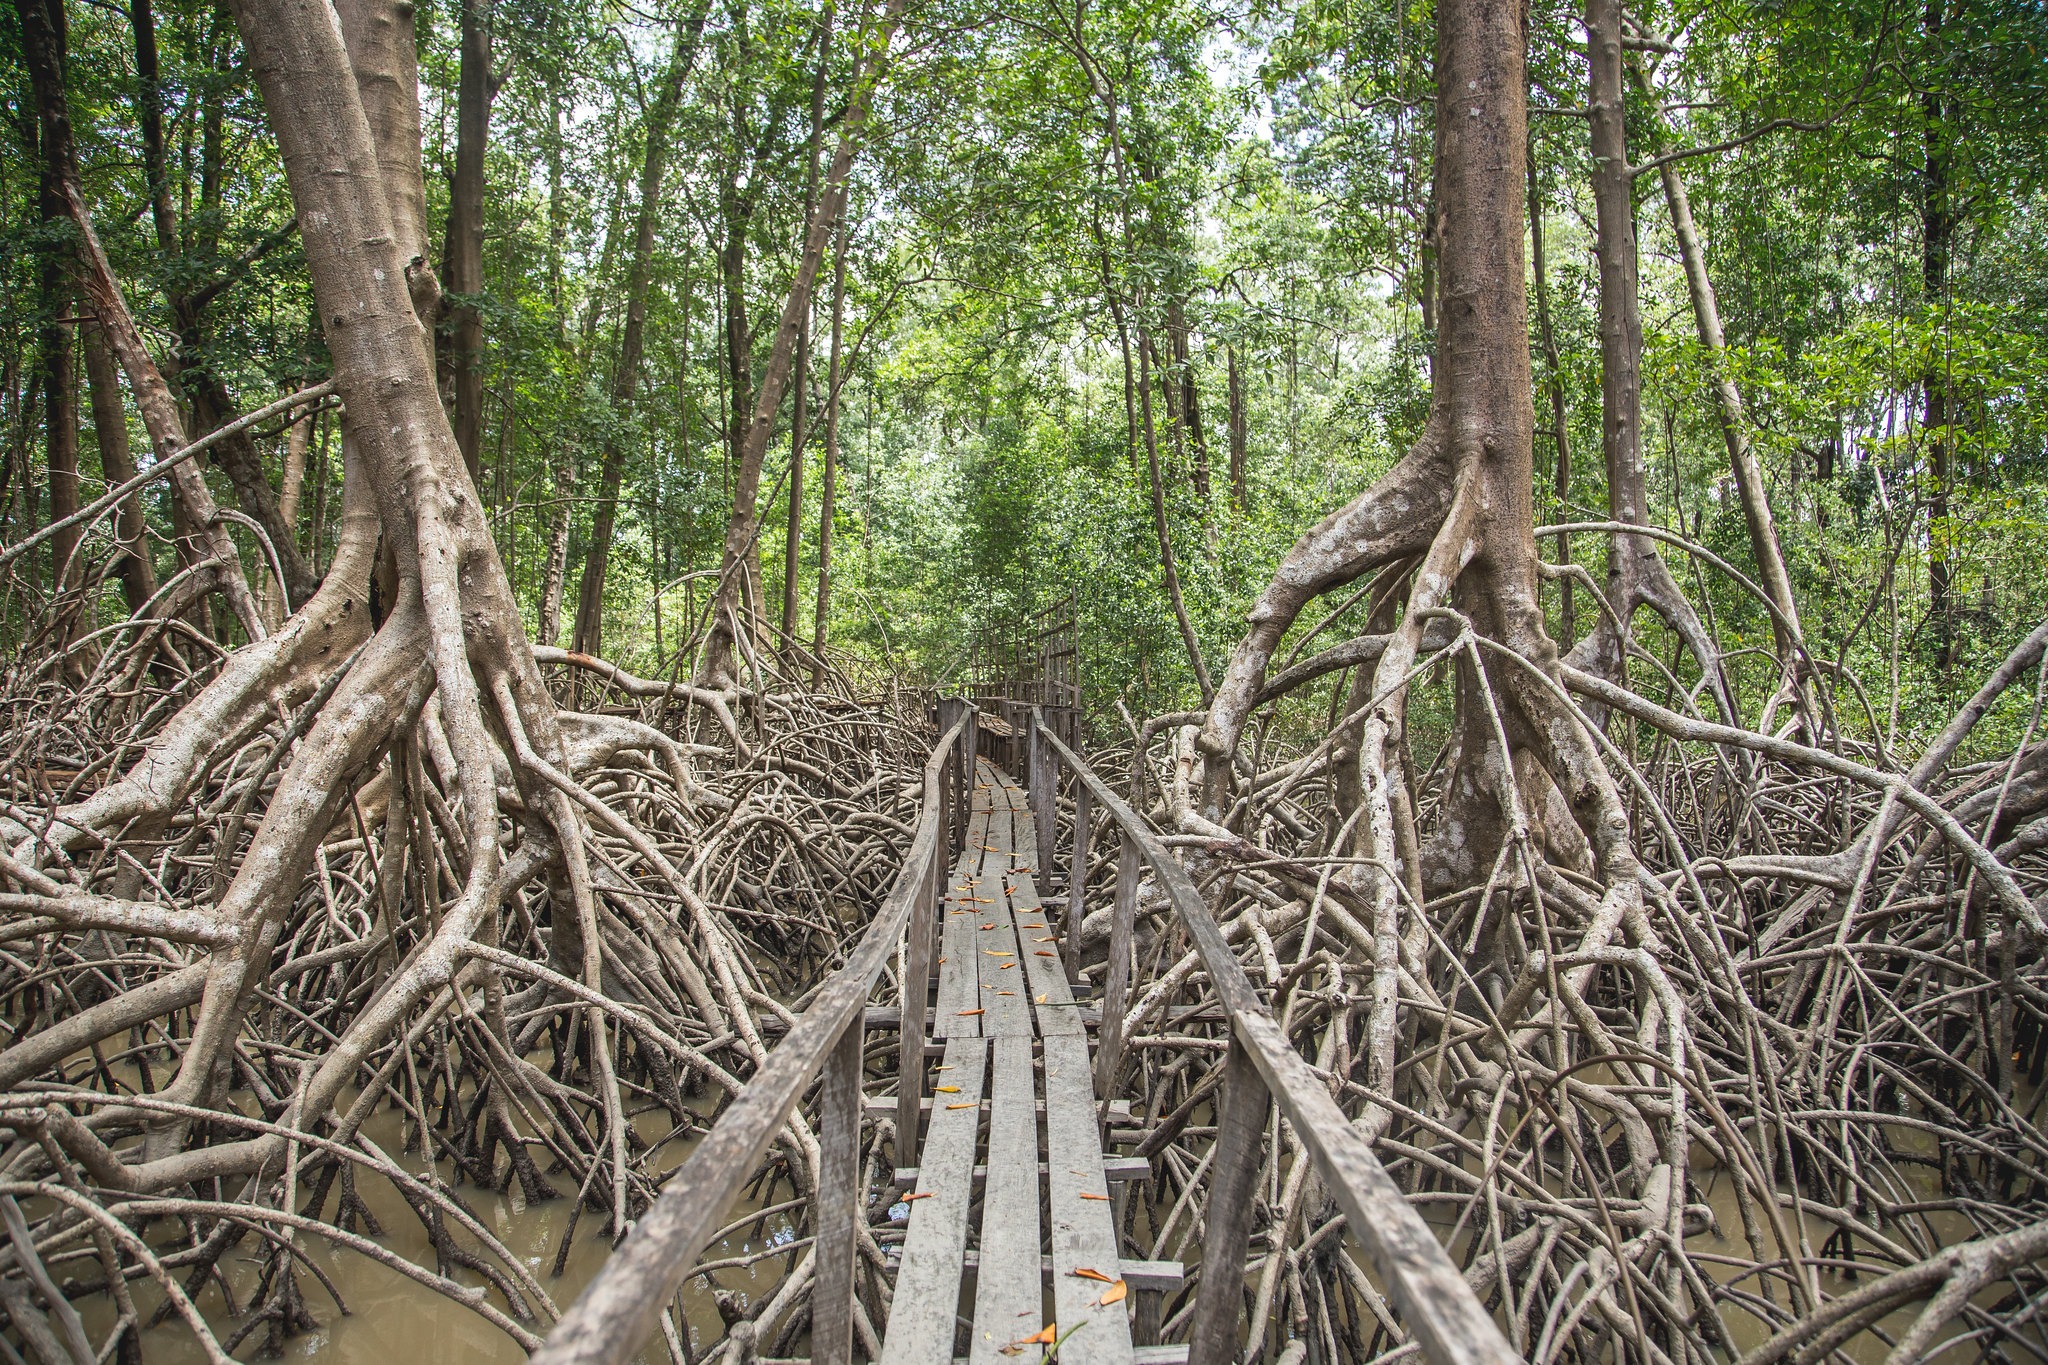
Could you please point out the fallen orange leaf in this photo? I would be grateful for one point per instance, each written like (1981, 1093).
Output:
(971, 1104)
(1084, 1273)
(965, 1013)
(1102, 1197)
(1045, 1336)
(913, 1198)
(1114, 1294)
(947, 1089)
(1043, 952)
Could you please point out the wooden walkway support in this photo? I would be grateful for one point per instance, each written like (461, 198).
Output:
(1016, 1083)
(1000, 1111)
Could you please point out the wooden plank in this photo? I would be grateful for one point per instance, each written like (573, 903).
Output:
(1005, 990)
(959, 969)
(1052, 999)
(927, 1300)
(1082, 1226)
(1007, 1296)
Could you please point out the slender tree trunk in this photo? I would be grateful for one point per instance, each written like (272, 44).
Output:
(828, 492)
(738, 367)
(1560, 427)
(117, 463)
(463, 352)
(589, 637)
(793, 540)
(209, 540)
(743, 527)
(1188, 408)
(1169, 569)
(1239, 492)
(1750, 488)
(1937, 244)
(210, 404)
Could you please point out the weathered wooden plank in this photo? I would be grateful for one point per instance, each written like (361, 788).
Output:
(1083, 1232)
(1007, 1296)
(959, 953)
(839, 1199)
(1052, 999)
(921, 1317)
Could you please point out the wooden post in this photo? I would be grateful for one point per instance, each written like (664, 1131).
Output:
(951, 787)
(839, 1198)
(917, 977)
(1045, 806)
(968, 773)
(1109, 1037)
(1077, 883)
(1240, 1129)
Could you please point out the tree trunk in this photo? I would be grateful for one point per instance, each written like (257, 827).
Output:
(384, 58)
(742, 529)
(210, 404)
(828, 492)
(110, 430)
(476, 88)
(210, 543)
(1636, 575)
(793, 540)
(1239, 493)
(589, 636)
(1937, 245)
(55, 370)
(1776, 580)
(1560, 427)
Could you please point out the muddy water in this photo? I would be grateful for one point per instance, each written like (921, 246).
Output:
(392, 1320)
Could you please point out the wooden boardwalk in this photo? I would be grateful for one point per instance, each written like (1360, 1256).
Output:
(1012, 1225)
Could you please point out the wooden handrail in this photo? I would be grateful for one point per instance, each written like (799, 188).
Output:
(1439, 1308)
(620, 1309)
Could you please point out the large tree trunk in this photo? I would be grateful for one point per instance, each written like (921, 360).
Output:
(742, 531)
(589, 636)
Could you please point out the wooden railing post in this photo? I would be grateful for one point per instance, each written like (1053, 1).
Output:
(1045, 806)
(839, 1198)
(1109, 1038)
(968, 773)
(1240, 1133)
(917, 982)
(1077, 880)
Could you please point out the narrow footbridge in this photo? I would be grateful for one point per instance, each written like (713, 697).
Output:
(1000, 1114)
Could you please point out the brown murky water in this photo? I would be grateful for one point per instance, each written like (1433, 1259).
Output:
(391, 1320)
